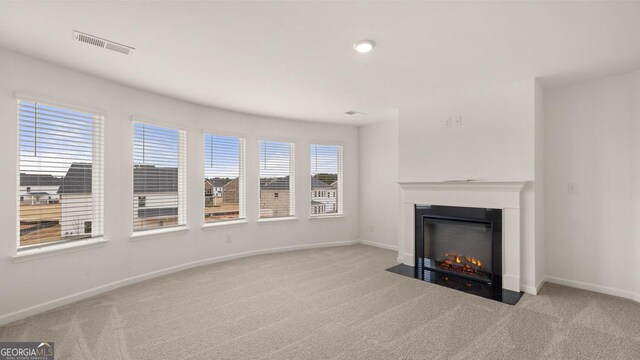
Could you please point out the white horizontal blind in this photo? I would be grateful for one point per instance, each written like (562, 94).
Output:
(326, 180)
(159, 196)
(60, 179)
(223, 178)
(277, 180)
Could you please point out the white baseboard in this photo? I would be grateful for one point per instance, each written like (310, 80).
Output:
(593, 287)
(50, 305)
(378, 245)
(512, 283)
(533, 290)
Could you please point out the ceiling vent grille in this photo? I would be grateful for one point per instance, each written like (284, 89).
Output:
(353, 112)
(106, 44)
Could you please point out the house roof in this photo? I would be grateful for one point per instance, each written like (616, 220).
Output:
(146, 179)
(77, 180)
(316, 183)
(281, 183)
(218, 182)
(151, 179)
(39, 180)
(231, 182)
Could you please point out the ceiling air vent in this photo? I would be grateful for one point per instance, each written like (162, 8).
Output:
(353, 112)
(106, 44)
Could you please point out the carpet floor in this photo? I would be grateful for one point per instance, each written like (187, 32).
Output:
(330, 303)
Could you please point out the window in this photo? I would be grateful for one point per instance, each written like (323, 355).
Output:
(159, 177)
(326, 179)
(223, 178)
(277, 190)
(61, 177)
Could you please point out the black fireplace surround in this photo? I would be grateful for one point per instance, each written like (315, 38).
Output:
(460, 248)
(460, 243)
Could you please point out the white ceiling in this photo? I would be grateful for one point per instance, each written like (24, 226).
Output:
(295, 60)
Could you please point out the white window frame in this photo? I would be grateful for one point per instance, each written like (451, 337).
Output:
(37, 251)
(242, 184)
(340, 197)
(292, 180)
(182, 180)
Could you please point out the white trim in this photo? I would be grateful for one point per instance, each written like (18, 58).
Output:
(327, 142)
(145, 234)
(224, 223)
(531, 290)
(49, 305)
(211, 131)
(23, 253)
(276, 219)
(464, 185)
(242, 172)
(46, 251)
(46, 100)
(328, 216)
(378, 245)
(594, 287)
(340, 181)
(292, 179)
(159, 123)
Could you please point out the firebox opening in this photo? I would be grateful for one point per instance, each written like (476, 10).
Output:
(459, 243)
(461, 247)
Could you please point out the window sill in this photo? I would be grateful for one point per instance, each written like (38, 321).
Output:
(224, 223)
(326, 217)
(147, 234)
(46, 251)
(276, 219)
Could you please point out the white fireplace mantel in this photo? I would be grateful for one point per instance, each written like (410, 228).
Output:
(503, 195)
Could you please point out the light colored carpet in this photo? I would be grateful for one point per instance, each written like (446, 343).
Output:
(331, 303)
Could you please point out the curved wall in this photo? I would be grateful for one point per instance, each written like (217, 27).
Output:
(35, 285)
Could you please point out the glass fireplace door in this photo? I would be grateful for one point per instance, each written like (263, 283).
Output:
(459, 247)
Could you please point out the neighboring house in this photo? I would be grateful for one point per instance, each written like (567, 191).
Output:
(155, 193)
(274, 197)
(37, 189)
(155, 197)
(318, 207)
(213, 189)
(75, 198)
(230, 194)
(323, 196)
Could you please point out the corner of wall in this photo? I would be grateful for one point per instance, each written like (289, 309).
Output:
(635, 116)
(540, 245)
(378, 174)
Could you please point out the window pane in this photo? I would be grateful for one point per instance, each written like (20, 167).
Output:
(276, 179)
(156, 168)
(56, 159)
(325, 179)
(222, 178)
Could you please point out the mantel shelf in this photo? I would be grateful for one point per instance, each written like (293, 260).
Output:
(463, 185)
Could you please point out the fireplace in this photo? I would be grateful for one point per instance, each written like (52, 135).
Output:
(459, 246)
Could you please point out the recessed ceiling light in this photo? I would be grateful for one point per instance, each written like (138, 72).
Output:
(364, 46)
